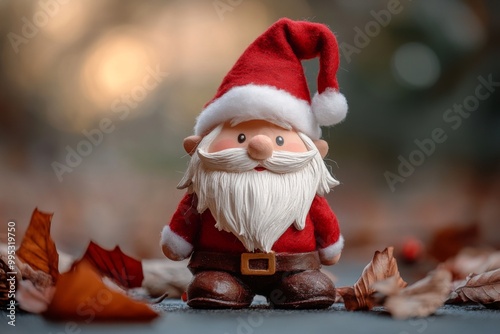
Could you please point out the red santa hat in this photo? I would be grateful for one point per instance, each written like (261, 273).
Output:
(268, 82)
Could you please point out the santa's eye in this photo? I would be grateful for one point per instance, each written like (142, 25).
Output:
(241, 138)
(280, 141)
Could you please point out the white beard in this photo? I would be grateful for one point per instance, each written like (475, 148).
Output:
(257, 206)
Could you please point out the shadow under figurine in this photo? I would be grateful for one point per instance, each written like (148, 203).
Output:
(254, 219)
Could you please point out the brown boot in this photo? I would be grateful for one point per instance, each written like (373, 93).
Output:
(218, 289)
(310, 289)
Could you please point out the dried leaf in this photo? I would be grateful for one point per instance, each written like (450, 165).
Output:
(122, 269)
(165, 276)
(338, 297)
(82, 296)
(417, 300)
(37, 248)
(37, 277)
(472, 260)
(7, 273)
(347, 295)
(382, 266)
(387, 287)
(483, 288)
(32, 298)
(142, 295)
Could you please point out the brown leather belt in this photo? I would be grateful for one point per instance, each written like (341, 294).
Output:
(254, 263)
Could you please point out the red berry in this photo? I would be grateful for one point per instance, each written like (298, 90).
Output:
(412, 249)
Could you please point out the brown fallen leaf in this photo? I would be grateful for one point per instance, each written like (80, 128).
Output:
(32, 298)
(165, 276)
(81, 296)
(482, 288)
(23, 271)
(36, 259)
(382, 266)
(472, 261)
(338, 297)
(121, 268)
(417, 300)
(37, 247)
(37, 277)
(7, 275)
(162, 278)
(142, 295)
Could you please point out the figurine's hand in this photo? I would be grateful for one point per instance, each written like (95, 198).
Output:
(174, 246)
(330, 261)
(331, 254)
(172, 255)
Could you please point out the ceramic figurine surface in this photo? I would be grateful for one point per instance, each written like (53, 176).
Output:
(254, 219)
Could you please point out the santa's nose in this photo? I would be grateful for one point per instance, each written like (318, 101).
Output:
(260, 147)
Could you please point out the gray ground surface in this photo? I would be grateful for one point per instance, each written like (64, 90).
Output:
(178, 318)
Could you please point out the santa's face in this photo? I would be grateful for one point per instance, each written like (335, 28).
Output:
(257, 179)
(259, 138)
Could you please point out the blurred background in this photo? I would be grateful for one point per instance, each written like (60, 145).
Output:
(97, 95)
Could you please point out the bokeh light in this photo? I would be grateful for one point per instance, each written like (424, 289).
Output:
(114, 64)
(416, 65)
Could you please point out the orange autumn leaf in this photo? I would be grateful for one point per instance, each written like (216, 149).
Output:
(121, 268)
(37, 248)
(472, 260)
(82, 296)
(382, 266)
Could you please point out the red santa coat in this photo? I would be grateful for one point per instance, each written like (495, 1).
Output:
(190, 230)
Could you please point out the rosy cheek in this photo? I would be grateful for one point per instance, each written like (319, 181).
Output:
(222, 144)
(294, 147)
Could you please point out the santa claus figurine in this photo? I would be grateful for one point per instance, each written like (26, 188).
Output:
(254, 219)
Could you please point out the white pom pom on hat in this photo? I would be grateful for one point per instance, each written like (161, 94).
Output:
(329, 107)
(268, 82)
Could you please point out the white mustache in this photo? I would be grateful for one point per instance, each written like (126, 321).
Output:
(237, 160)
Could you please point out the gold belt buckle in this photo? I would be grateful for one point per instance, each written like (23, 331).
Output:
(247, 257)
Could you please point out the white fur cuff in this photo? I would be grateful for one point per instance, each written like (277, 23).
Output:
(333, 250)
(173, 245)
